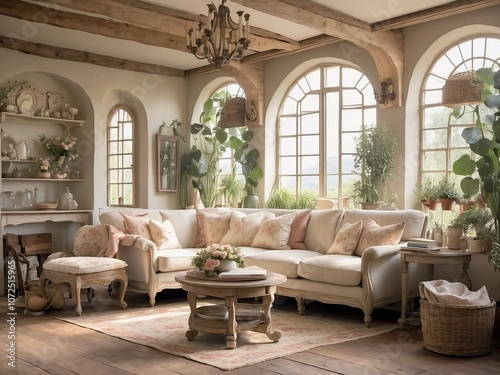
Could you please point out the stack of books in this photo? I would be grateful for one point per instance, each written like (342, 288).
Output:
(421, 244)
(249, 273)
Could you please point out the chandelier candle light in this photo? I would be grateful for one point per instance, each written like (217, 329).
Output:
(223, 39)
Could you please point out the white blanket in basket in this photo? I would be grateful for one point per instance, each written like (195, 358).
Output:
(452, 293)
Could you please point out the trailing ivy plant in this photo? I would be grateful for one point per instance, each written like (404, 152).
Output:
(483, 171)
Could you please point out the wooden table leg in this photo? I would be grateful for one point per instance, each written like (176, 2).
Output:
(191, 333)
(267, 303)
(464, 278)
(231, 323)
(404, 290)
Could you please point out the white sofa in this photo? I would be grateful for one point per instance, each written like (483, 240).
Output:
(365, 282)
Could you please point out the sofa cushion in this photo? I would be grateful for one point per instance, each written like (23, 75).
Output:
(347, 239)
(184, 223)
(243, 228)
(175, 259)
(321, 229)
(215, 227)
(112, 215)
(415, 220)
(374, 235)
(213, 213)
(274, 233)
(163, 235)
(285, 262)
(333, 269)
(137, 224)
(299, 229)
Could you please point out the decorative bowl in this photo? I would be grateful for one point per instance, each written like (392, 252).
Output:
(46, 206)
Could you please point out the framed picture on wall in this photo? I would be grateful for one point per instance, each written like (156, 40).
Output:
(168, 163)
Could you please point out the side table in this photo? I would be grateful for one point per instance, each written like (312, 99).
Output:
(444, 256)
(229, 291)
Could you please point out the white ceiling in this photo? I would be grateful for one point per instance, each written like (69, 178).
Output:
(369, 11)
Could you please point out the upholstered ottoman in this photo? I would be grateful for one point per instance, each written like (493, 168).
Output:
(86, 266)
(79, 271)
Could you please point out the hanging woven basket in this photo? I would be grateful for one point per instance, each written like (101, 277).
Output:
(462, 88)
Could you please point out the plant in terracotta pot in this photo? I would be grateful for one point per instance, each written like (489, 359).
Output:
(427, 193)
(373, 161)
(482, 172)
(448, 194)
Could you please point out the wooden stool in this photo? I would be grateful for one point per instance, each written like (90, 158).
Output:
(79, 271)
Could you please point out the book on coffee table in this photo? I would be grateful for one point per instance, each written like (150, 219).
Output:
(252, 272)
(421, 249)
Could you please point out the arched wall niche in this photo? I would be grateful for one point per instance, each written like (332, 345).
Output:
(414, 97)
(75, 96)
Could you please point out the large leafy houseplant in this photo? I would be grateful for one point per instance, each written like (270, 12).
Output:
(373, 160)
(483, 170)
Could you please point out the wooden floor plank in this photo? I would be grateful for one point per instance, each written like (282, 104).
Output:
(47, 345)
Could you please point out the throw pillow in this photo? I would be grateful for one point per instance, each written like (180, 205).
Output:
(347, 239)
(163, 235)
(200, 216)
(298, 230)
(137, 224)
(216, 226)
(375, 235)
(274, 233)
(243, 228)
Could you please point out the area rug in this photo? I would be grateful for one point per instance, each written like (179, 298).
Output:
(164, 328)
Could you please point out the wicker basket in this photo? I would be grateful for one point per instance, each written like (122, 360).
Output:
(457, 329)
(462, 88)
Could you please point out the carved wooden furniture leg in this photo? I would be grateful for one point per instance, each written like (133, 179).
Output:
(191, 333)
(404, 290)
(231, 323)
(267, 303)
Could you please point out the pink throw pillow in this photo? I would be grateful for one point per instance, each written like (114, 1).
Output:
(200, 219)
(137, 224)
(298, 230)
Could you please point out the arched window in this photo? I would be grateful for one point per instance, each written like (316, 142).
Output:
(441, 140)
(120, 158)
(320, 118)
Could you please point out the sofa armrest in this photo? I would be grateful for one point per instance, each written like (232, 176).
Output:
(381, 272)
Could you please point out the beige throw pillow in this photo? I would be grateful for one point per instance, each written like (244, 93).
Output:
(243, 228)
(274, 233)
(200, 220)
(347, 239)
(375, 235)
(298, 230)
(216, 226)
(163, 235)
(137, 224)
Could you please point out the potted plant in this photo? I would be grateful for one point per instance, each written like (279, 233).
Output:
(283, 198)
(247, 157)
(4, 93)
(232, 189)
(427, 193)
(482, 172)
(448, 194)
(373, 160)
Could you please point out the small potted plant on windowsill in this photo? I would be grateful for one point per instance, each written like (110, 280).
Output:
(427, 193)
(448, 194)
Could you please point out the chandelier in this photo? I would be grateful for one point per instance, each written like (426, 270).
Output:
(223, 39)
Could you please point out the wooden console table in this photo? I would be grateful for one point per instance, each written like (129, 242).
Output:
(444, 256)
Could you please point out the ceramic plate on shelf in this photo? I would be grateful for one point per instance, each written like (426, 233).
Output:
(56, 102)
(27, 102)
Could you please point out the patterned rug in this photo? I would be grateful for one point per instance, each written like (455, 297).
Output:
(164, 328)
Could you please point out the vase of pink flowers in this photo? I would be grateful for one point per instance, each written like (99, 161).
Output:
(217, 258)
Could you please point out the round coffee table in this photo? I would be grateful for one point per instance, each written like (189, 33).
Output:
(231, 317)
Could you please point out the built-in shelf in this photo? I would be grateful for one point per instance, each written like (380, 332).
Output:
(14, 118)
(40, 216)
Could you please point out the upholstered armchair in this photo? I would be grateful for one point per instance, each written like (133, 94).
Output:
(86, 265)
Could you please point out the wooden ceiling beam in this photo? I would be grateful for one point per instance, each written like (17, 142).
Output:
(58, 53)
(386, 47)
(158, 18)
(431, 14)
